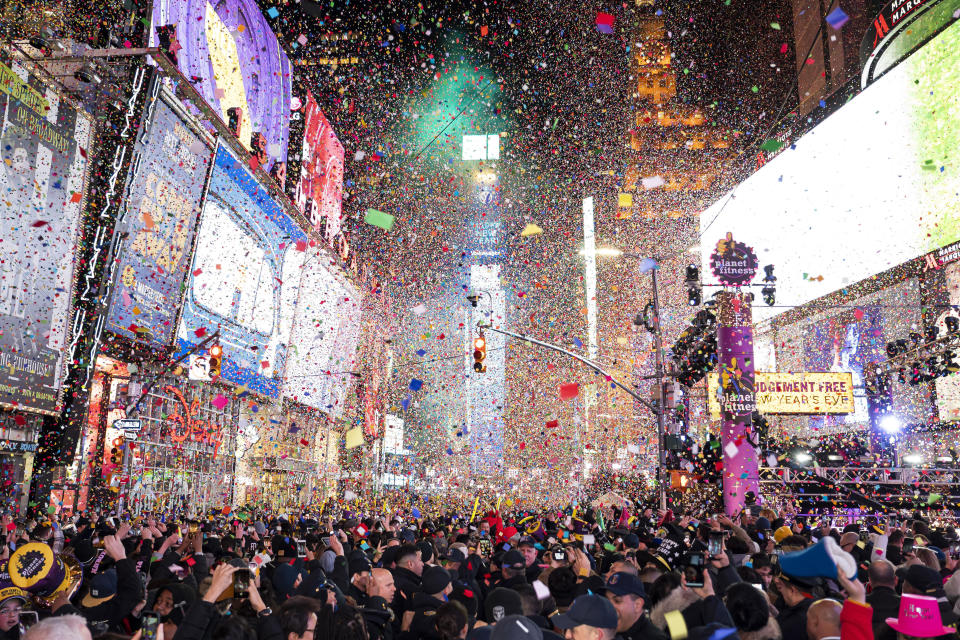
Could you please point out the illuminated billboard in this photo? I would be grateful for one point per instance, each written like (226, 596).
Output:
(232, 57)
(245, 278)
(800, 393)
(44, 143)
(319, 186)
(161, 211)
(482, 147)
(319, 314)
(873, 186)
(344, 358)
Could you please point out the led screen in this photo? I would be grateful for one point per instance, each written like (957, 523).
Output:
(871, 187)
(343, 361)
(318, 321)
(320, 187)
(43, 143)
(159, 218)
(230, 54)
(245, 278)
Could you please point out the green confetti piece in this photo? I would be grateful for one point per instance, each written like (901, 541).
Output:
(775, 25)
(771, 145)
(379, 219)
(755, 89)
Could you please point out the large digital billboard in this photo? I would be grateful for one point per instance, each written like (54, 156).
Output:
(343, 361)
(319, 187)
(318, 319)
(44, 143)
(227, 50)
(160, 216)
(245, 278)
(873, 186)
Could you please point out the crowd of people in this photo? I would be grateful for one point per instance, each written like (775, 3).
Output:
(642, 576)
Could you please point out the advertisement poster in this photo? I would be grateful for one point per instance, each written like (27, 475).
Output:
(737, 399)
(794, 393)
(239, 66)
(901, 132)
(344, 358)
(319, 190)
(244, 279)
(319, 315)
(846, 342)
(43, 142)
(160, 218)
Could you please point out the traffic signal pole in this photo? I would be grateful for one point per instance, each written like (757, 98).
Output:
(657, 411)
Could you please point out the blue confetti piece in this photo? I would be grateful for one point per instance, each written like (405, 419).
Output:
(416, 385)
(272, 12)
(837, 18)
(421, 352)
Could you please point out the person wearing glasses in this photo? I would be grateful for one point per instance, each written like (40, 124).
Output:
(12, 600)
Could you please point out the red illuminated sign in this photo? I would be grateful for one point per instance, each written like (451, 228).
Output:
(184, 425)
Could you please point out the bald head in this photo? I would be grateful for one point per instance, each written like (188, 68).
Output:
(882, 573)
(823, 619)
(382, 585)
(622, 566)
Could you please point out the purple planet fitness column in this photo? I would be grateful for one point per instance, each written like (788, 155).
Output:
(737, 399)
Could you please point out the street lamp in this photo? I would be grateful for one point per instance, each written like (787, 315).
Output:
(652, 265)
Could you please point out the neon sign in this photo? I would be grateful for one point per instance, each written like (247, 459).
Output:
(184, 425)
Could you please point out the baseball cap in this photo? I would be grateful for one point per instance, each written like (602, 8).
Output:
(528, 541)
(591, 610)
(622, 583)
(454, 555)
(103, 587)
(516, 628)
(924, 579)
(513, 559)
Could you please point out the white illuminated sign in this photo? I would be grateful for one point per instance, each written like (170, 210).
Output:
(482, 147)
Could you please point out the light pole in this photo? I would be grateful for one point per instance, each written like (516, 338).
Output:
(652, 265)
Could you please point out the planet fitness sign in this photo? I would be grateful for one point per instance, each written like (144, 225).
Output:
(733, 263)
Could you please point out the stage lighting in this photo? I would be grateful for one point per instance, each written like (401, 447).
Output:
(803, 457)
(913, 459)
(891, 423)
(892, 349)
(769, 295)
(953, 324)
(88, 74)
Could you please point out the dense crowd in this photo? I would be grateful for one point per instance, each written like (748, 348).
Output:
(647, 575)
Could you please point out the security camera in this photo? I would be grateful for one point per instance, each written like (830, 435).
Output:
(473, 298)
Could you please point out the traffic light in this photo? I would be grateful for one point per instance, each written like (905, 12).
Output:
(215, 354)
(116, 451)
(479, 354)
(769, 291)
(692, 282)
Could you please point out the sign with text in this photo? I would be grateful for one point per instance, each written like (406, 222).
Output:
(795, 393)
(160, 218)
(44, 142)
(733, 263)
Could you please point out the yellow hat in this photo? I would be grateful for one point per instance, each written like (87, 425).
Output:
(782, 533)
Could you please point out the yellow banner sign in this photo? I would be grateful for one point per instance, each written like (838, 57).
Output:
(794, 393)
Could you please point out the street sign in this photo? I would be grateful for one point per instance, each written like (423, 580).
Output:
(129, 435)
(199, 367)
(126, 425)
